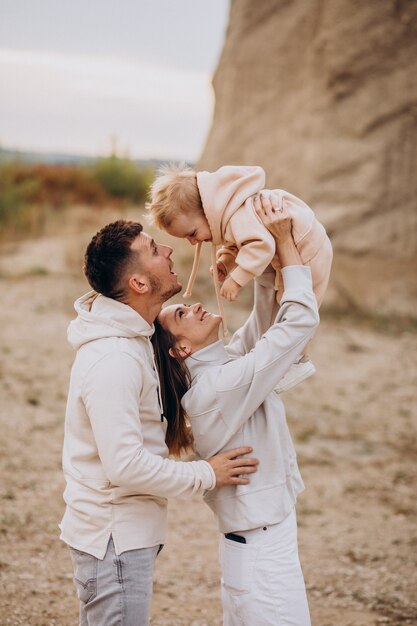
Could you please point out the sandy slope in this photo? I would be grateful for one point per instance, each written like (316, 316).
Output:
(354, 426)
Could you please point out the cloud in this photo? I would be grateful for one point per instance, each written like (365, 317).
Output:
(75, 102)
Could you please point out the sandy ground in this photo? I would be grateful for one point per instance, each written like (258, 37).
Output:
(354, 426)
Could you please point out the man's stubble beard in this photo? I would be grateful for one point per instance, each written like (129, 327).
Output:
(166, 295)
(156, 287)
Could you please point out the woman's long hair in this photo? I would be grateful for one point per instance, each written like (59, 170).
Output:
(175, 381)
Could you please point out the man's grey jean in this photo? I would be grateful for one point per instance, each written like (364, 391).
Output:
(116, 590)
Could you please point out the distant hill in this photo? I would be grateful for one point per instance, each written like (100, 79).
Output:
(52, 158)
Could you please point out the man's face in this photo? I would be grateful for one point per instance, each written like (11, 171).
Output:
(155, 261)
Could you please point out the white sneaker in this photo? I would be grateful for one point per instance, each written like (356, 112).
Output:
(296, 374)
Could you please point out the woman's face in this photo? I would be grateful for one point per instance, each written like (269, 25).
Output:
(194, 327)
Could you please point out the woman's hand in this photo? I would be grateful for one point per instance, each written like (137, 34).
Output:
(275, 218)
(278, 221)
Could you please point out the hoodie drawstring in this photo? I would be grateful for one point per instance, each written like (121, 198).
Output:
(158, 387)
(191, 280)
(217, 290)
(189, 289)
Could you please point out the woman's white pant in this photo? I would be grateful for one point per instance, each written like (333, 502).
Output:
(262, 582)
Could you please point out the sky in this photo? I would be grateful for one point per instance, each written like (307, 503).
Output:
(75, 75)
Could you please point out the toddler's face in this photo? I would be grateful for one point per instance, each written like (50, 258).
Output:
(193, 227)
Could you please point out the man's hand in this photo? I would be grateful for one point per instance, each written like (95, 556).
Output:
(228, 468)
(230, 289)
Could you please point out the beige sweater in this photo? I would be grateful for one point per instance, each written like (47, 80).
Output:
(231, 401)
(248, 246)
(115, 459)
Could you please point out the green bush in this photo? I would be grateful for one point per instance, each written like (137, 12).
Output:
(29, 191)
(16, 198)
(121, 178)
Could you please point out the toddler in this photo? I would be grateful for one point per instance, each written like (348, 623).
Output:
(218, 207)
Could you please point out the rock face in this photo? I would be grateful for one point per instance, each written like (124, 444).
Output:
(323, 95)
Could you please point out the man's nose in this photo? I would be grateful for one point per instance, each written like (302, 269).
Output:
(192, 240)
(197, 307)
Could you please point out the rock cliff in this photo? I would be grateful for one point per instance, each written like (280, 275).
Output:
(323, 95)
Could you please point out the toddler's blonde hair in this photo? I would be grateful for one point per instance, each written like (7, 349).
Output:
(173, 191)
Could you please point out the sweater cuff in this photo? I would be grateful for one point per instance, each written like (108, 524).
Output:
(209, 478)
(241, 276)
(297, 276)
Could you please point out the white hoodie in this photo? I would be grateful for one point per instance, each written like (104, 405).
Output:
(231, 401)
(114, 456)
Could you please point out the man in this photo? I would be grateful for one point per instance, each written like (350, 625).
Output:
(114, 457)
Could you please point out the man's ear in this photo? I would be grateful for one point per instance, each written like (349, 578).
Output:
(181, 351)
(139, 284)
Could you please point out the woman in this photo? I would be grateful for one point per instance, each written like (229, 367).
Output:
(227, 393)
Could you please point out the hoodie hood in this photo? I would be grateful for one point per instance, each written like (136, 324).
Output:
(223, 192)
(100, 317)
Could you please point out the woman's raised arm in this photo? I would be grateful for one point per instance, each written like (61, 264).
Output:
(265, 307)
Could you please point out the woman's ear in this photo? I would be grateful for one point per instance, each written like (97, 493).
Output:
(139, 284)
(180, 352)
